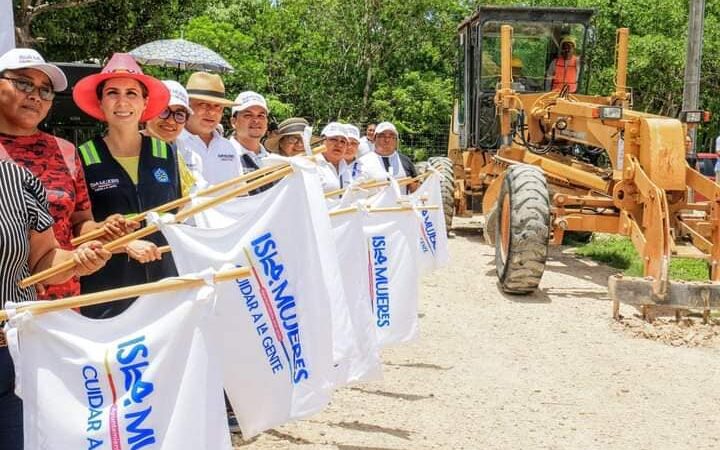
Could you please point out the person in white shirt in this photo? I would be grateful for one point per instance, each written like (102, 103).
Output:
(250, 122)
(331, 162)
(367, 142)
(219, 158)
(353, 171)
(386, 160)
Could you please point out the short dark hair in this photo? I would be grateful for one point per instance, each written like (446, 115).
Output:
(101, 85)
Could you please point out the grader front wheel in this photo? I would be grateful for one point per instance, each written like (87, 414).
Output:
(522, 218)
(444, 166)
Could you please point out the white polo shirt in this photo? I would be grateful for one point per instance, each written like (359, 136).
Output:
(373, 167)
(257, 158)
(329, 175)
(220, 161)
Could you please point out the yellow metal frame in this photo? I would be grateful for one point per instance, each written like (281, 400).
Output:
(645, 197)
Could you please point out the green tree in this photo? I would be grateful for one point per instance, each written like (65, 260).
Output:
(95, 31)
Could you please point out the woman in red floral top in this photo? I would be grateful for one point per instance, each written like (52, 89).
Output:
(27, 88)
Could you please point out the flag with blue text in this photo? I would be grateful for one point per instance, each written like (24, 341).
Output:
(148, 378)
(274, 330)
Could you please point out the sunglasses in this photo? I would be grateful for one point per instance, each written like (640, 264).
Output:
(46, 93)
(180, 116)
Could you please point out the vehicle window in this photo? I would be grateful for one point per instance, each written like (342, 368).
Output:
(535, 46)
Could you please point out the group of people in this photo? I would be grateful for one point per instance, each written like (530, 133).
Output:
(162, 140)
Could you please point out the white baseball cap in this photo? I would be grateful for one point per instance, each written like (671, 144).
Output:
(353, 132)
(178, 95)
(385, 126)
(334, 129)
(246, 99)
(27, 58)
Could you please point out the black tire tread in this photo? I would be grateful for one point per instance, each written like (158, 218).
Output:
(525, 261)
(444, 165)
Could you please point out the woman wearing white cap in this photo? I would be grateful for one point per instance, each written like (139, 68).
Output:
(353, 170)
(27, 88)
(33, 234)
(168, 126)
(331, 162)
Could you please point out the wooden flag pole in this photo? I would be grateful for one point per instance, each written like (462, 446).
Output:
(150, 229)
(182, 201)
(339, 212)
(373, 184)
(166, 285)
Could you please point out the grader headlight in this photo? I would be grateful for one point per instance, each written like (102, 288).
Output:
(610, 112)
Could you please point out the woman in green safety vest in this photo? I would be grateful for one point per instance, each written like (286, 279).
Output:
(126, 172)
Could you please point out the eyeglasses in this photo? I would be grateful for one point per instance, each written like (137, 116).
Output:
(292, 140)
(387, 136)
(46, 93)
(180, 116)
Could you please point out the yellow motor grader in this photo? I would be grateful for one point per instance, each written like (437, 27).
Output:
(539, 163)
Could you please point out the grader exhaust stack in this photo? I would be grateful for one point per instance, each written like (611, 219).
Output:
(535, 188)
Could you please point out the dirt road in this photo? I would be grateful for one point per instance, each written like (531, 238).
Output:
(501, 372)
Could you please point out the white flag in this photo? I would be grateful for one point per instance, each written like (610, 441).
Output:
(148, 378)
(306, 184)
(354, 265)
(433, 242)
(274, 328)
(7, 27)
(392, 241)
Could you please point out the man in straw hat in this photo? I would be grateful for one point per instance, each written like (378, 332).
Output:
(220, 160)
(565, 69)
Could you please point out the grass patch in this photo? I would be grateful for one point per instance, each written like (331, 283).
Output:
(618, 252)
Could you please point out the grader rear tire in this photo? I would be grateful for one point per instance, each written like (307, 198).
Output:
(444, 166)
(522, 229)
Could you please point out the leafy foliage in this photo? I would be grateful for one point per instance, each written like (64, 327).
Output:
(368, 60)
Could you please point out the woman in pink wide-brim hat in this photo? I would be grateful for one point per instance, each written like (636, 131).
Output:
(126, 172)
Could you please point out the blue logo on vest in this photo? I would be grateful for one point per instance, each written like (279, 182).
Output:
(160, 175)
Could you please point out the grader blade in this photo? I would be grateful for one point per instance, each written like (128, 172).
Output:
(638, 292)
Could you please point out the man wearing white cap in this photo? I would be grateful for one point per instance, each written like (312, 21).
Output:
(386, 160)
(219, 158)
(331, 162)
(250, 122)
(168, 126)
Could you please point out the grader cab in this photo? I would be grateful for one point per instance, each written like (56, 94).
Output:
(539, 162)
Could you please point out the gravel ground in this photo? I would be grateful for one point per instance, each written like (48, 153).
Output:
(551, 370)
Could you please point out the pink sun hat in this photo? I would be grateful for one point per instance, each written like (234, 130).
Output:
(121, 65)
